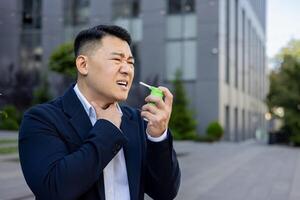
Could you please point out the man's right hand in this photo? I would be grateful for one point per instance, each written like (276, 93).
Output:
(111, 113)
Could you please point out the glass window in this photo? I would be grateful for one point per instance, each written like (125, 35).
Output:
(126, 14)
(121, 9)
(181, 55)
(188, 6)
(181, 26)
(189, 56)
(174, 6)
(31, 51)
(174, 60)
(181, 39)
(136, 29)
(181, 6)
(174, 27)
(32, 14)
(227, 70)
(227, 122)
(76, 12)
(189, 26)
(124, 23)
(236, 124)
(125, 8)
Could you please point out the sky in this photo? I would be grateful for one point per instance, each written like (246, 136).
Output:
(283, 24)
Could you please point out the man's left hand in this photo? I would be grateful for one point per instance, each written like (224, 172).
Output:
(158, 113)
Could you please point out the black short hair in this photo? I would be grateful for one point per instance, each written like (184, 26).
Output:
(89, 36)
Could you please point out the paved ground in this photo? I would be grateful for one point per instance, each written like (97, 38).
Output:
(227, 171)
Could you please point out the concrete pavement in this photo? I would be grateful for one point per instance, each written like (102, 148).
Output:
(244, 171)
(228, 171)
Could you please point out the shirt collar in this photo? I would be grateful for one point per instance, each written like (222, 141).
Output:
(86, 105)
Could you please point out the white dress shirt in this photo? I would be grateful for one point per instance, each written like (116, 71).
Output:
(115, 173)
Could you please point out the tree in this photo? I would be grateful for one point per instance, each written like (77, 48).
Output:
(182, 122)
(285, 92)
(62, 60)
(292, 49)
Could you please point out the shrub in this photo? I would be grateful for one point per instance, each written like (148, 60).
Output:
(184, 136)
(11, 120)
(215, 130)
(205, 138)
(62, 60)
(295, 140)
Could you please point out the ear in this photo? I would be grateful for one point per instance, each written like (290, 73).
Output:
(81, 64)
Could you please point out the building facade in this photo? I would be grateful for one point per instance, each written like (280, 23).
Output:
(219, 45)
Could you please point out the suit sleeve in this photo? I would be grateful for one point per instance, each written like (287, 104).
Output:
(162, 170)
(50, 170)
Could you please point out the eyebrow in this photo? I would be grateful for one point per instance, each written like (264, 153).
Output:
(122, 55)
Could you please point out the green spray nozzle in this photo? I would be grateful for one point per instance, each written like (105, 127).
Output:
(154, 90)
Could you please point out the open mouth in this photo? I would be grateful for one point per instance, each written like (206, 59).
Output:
(123, 83)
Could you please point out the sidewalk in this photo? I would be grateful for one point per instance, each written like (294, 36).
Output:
(238, 171)
(227, 171)
(12, 183)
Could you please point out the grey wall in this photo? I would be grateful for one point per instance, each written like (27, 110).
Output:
(100, 12)
(153, 43)
(52, 27)
(10, 32)
(207, 90)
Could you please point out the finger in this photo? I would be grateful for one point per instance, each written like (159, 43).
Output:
(150, 108)
(168, 95)
(149, 116)
(156, 100)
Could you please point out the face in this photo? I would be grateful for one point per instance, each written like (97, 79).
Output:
(109, 70)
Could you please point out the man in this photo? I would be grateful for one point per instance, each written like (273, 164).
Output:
(83, 145)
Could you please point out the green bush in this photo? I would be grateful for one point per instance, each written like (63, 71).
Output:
(11, 120)
(295, 139)
(205, 138)
(215, 130)
(62, 60)
(184, 136)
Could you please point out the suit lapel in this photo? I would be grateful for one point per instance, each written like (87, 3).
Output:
(132, 153)
(78, 118)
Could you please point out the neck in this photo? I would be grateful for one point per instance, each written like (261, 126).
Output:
(91, 96)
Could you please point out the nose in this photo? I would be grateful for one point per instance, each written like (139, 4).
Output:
(125, 68)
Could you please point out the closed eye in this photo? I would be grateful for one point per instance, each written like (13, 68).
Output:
(130, 62)
(116, 59)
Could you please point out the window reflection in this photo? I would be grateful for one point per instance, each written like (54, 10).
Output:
(30, 47)
(76, 12)
(181, 37)
(31, 12)
(181, 6)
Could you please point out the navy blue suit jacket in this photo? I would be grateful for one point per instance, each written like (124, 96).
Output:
(63, 156)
